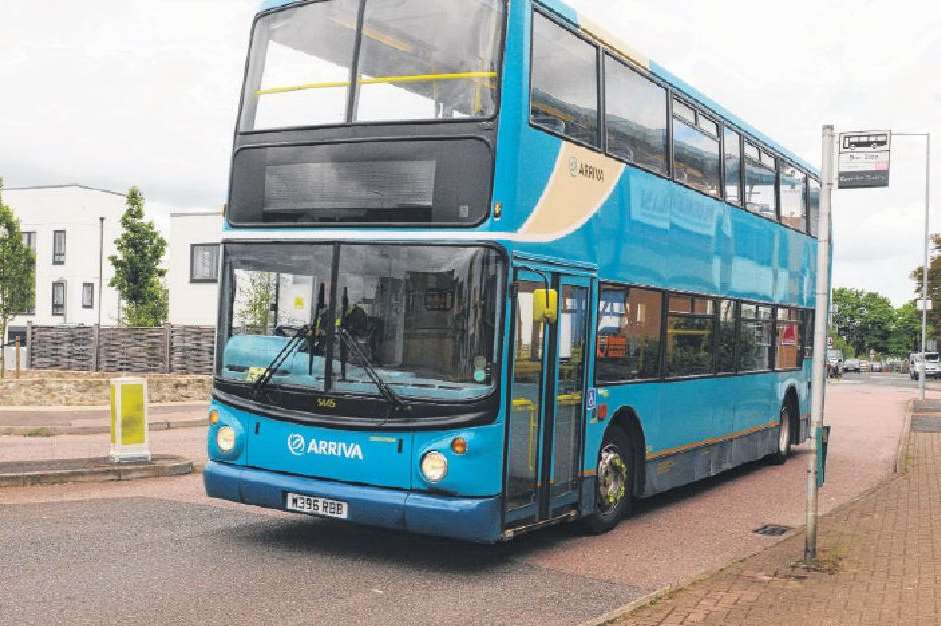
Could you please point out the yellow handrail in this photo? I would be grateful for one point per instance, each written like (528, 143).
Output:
(412, 78)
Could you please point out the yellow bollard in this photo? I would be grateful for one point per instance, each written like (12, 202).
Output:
(130, 432)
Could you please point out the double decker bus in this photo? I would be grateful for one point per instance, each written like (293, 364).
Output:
(486, 268)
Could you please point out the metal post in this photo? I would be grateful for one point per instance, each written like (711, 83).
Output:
(17, 358)
(822, 302)
(101, 264)
(924, 275)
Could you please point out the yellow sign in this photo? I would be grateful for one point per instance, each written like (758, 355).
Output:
(254, 373)
(299, 303)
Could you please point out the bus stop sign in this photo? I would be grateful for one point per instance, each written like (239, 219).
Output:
(864, 159)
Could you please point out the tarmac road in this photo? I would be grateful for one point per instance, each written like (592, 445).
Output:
(157, 551)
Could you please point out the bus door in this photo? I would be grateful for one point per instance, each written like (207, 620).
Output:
(546, 418)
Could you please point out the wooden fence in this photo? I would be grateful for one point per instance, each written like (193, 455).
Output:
(165, 349)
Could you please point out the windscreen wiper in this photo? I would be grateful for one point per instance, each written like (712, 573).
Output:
(299, 337)
(396, 402)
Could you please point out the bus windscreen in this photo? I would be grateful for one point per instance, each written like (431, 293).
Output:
(423, 317)
(415, 60)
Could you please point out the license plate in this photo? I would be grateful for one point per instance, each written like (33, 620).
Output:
(314, 505)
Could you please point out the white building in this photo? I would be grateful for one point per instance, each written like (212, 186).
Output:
(193, 275)
(63, 224)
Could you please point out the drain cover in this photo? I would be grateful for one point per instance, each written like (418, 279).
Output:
(772, 530)
(923, 424)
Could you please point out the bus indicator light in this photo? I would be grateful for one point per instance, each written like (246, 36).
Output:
(602, 412)
(213, 416)
(459, 445)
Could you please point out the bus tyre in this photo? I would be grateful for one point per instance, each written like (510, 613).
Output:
(784, 436)
(613, 480)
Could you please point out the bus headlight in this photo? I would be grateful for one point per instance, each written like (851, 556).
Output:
(225, 438)
(434, 466)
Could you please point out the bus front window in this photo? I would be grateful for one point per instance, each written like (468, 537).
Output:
(416, 61)
(423, 318)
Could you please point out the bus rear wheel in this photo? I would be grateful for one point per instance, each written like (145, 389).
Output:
(613, 480)
(784, 435)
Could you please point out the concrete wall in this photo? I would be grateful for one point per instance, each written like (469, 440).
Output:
(192, 303)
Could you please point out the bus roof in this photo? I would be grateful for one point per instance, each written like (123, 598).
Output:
(604, 36)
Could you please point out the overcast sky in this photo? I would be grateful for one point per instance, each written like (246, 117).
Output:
(111, 93)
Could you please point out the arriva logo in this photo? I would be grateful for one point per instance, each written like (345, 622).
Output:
(298, 446)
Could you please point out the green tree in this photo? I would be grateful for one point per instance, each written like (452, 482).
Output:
(253, 308)
(934, 286)
(865, 318)
(17, 272)
(137, 272)
(905, 334)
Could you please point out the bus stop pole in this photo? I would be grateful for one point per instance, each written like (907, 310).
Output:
(924, 274)
(821, 306)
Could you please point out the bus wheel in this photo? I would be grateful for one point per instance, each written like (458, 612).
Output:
(784, 435)
(613, 482)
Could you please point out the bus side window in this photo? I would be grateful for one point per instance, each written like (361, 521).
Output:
(628, 345)
(635, 117)
(564, 96)
(793, 192)
(732, 162)
(813, 206)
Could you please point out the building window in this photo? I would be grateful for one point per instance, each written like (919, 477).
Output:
(88, 295)
(29, 238)
(628, 334)
(204, 262)
(690, 325)
(564, 82)
(58, 299)
(16, 332)
(58, 247)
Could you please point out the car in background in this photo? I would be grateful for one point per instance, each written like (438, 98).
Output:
(931, 366)
(851, 365)
(864, 365)
(875, 366)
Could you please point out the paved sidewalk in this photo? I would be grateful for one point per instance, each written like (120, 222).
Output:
(879, 561)
(87, 420)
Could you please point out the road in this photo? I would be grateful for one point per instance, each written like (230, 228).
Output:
(158, 551)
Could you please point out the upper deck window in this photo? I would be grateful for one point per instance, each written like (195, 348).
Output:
(636, 117)
(416, 61)
(564, 82)
(696, 157)
(813, 206)
(793, 194)
(759, 182)
(733, 166)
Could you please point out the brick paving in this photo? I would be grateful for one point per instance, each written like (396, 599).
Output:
(879, 564)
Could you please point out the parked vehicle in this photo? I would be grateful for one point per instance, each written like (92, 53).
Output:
(931, 366)
(875, 366)
(851, 365)
(864, 365)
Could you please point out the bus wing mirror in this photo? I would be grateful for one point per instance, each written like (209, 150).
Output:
(545, 305)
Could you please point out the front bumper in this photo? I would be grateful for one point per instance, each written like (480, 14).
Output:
(470, 519)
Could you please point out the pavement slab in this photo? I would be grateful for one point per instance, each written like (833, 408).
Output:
(877, 564)
(55, 471)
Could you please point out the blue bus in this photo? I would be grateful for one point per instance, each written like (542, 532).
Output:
(487, 269)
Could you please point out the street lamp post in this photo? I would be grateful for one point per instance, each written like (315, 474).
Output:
(924, 275)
